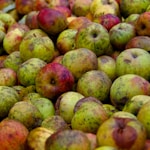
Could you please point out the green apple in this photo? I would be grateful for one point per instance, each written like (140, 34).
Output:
(106, 148)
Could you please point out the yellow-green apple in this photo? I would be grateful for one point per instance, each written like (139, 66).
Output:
(68, 139)
(132, 18)
(74, 58)
(54, 79)
(26, 113)
(143, 116)
(133, 61)
(55, 123)
(88, 115)
(36, 43)
(8, 77)
(142, 24)
(122, 131)
(93, 36)
(28, 70)
(13, 61)
(120, 34)
(65, 104)
(52, 21)
(31, 96)
(142, 42)
(94, 83)
(37, 137)
(108, 65)
(66, 40)
(133, 7)
(106, 148)
(125, 87)
(135, 103)
(13, 134)
(55, 3)
(9, 98)
(107, 20)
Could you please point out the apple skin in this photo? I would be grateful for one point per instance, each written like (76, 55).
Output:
(52, 21)
(13, 134)
(94, 37)
(106, 148)
(55, 3)
(133, 7)
(147, 145)
(53, 79)
(120, 34)
(133, 61)
(142, 24)
(121, 91)
(142, 42)
(122, 132)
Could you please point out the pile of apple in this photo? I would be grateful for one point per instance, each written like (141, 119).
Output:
(74, 75)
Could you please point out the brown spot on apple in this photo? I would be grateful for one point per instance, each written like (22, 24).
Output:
(124, 135)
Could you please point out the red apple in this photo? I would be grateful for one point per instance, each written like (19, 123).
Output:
(53, 79)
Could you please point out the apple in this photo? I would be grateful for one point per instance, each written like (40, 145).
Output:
(93, 36)
(108, 65)
(125, 87)
(94, 83)
(133, 7)
(135, 103)
(6, 5)
(143, 117)
(13, 134)
(26, 113)
(52, 21)
(9, 98)
(74, 58)
(122, 131)
(139, 42)
(58, 59)
(147, 145)
(2, 59)
(37, 137)
(66, 40)
(65, 104)
(142, 24)
(53, 79)
(120, 34)
(133, 61)
(68, 139)
(55, 3)
(107, 20)
(106, 148)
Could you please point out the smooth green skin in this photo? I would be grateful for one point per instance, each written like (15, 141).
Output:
(66, 40)
(106, 148)
(108, 65)
(13, 61)
(121, 90)
(41, 47)
(8, 98)
(144, 117)
(89, 117)
(132, 18)
(135, 103)
(74, 58)
(94, 83)
(68, 139)
(28, 70)
(67, 103)
(94, 37)
(133, 61)
(26, 113)
(133, 7)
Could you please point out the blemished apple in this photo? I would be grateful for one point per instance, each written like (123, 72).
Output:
(142, 24)
(65, 104)
(142, 42)
(133, 61)
(122, 131)
(74, 58)
(68, 139)
(52, 21)
(94, 83)
(54, 79)
(120, 34)
(12, 128)
(31, 96)
(133, 7)
(121, 91)
(54, 3)
(28, 70)
(93, 36)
